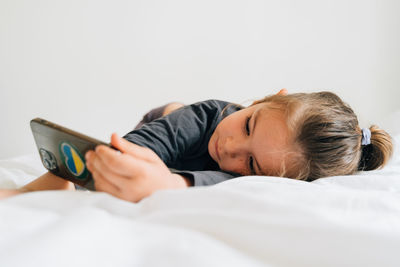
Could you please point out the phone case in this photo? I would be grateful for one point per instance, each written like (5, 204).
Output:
(62, 151)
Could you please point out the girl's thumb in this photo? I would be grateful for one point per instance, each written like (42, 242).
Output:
(118, 143)
(125, 146)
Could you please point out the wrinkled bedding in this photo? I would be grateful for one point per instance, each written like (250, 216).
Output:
(248, 221)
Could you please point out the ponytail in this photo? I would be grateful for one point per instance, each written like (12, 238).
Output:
(376, 154)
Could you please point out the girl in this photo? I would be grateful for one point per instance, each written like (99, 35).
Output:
(301, 136)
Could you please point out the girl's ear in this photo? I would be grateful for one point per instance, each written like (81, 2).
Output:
(283, 91)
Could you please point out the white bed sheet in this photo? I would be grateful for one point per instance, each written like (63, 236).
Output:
(249, 221)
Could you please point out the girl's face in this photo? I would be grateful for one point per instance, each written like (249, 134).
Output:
(252, 141)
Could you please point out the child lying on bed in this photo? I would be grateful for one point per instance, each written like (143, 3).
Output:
(300, 136)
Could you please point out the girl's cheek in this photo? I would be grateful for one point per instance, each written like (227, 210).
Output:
(232, 166)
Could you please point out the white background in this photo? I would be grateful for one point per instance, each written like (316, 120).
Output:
(97, 66)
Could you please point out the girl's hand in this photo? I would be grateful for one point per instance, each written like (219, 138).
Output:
(132, 173)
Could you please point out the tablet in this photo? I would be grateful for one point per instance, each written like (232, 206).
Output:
(62, 151)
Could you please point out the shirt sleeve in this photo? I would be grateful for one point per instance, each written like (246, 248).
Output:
(202, 178)
(182, 133)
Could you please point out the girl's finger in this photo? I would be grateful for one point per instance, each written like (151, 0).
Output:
(104, 185)
(117, 163)
(97, 161)
(110, 174)
(125, 146)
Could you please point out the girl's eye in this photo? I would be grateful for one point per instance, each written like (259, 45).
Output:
(251, 161)
(248, 125)
(251, 166)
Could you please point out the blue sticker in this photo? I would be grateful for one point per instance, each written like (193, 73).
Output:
(73, 160)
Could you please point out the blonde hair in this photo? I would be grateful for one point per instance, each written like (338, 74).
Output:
(327, 137)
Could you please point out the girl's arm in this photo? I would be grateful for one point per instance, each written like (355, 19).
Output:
(47, 181)
(132, 173)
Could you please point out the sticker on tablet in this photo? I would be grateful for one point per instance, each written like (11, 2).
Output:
(73, 160)
(48, 159)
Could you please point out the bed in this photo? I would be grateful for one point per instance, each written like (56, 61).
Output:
(248, 221)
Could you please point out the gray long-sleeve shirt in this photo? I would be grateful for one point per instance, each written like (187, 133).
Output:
(181, 139)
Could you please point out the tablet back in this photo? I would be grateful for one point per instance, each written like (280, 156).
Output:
(62, 151)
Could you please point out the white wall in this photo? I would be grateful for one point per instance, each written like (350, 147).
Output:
(97, 66)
